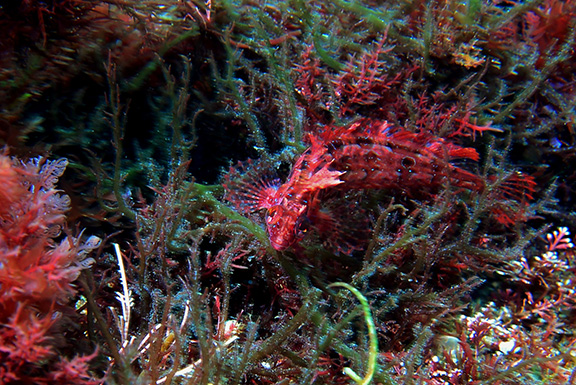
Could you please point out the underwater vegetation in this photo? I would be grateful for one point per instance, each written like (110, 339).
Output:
(297, 192)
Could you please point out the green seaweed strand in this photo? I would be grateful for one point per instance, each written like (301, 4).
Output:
(324, 55)
(373, 349)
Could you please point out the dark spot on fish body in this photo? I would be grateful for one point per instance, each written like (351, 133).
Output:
(334, 145)
(345, 160)
(364, 141)
(408, 162)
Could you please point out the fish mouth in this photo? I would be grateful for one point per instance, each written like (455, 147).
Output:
(280, 244)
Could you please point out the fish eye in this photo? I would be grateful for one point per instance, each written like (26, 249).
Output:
(271, 215)
(302, 226)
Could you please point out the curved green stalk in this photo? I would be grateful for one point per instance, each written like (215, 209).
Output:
(373, 349)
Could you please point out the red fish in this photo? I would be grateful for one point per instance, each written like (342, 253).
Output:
(367, 154)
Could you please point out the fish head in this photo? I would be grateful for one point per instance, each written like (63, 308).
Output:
(283, 223)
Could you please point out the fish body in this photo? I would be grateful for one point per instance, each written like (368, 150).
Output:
(376, 155)
(367, 154)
